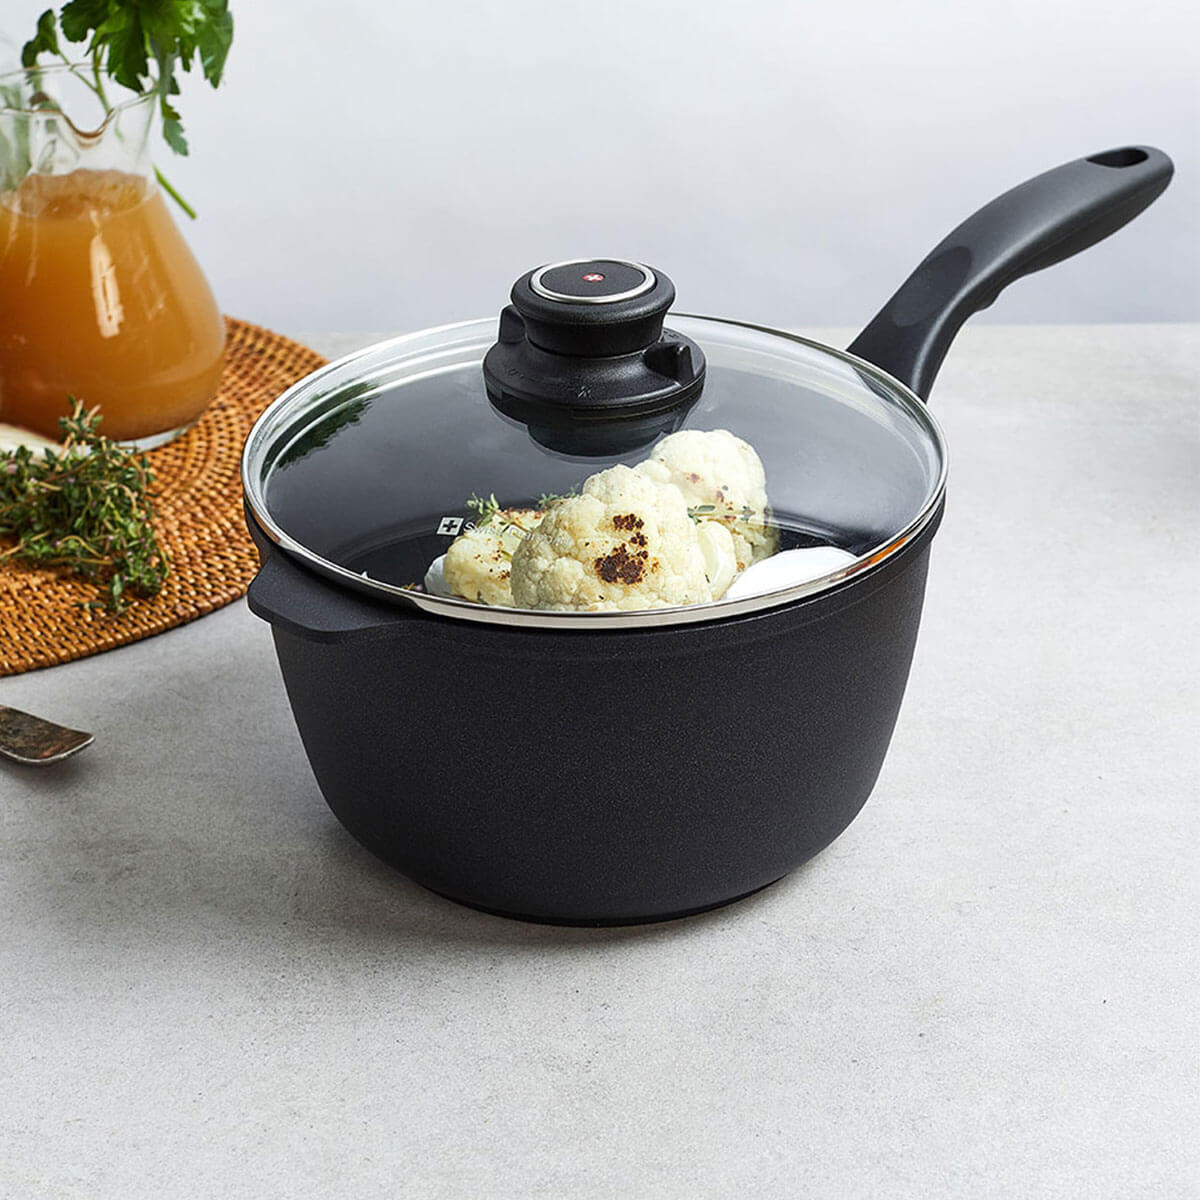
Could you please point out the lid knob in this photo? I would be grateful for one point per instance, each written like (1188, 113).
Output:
(584, 341)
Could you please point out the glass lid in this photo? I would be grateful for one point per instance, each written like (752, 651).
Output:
(577, 465)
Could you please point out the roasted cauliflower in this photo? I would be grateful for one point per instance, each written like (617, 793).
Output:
(722, 480)
(479, 562)
(626, 542)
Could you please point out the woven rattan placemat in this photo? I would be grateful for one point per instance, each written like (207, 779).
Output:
(198, 482)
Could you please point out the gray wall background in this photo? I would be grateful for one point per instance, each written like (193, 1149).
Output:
(376, 165)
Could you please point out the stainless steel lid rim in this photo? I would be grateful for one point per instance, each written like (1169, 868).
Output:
(494, 640)
(293, 412)
(595, 622)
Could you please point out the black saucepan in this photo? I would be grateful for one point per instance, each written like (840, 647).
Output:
(613, 767)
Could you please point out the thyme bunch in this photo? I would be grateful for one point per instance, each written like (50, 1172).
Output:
(87, 507)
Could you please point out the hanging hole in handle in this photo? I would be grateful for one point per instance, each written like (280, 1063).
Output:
(1130, 156)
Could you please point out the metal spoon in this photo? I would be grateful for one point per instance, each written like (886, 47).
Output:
(30, 740)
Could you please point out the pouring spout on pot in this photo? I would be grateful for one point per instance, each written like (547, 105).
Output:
(1034, 225)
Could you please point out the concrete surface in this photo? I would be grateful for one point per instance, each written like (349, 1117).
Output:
(985, 988)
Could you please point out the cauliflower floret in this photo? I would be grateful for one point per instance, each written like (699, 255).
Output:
(478, 564)
(626, 542)
(715, 468)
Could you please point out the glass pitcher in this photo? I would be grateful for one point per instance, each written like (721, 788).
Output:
(100, 297)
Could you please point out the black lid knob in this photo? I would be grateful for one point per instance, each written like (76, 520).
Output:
(593, 307)
(584, 341)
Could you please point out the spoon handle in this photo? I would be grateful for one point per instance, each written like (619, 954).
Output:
(34, 742)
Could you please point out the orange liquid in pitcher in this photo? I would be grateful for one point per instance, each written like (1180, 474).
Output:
(101, 298)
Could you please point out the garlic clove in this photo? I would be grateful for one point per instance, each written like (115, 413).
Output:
(435, 579)
(720, 559)
(787, 569)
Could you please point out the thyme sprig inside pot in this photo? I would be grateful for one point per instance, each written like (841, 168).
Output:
(87, 507)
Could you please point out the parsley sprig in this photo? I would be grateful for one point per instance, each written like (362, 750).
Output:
(140, 44)
(87, 507)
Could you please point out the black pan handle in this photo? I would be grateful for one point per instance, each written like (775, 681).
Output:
(292, 598)
(1036, 224)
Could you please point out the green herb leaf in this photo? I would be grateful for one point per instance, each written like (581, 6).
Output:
(173, 135)
(128, 62)
(80, 17)
(485, 509)
(44, 40)
(213, 39)
(88, 508)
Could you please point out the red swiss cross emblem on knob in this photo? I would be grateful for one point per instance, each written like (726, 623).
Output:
(593, 277)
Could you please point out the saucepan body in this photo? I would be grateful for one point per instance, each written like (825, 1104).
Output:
(574, 753)
(597, 778)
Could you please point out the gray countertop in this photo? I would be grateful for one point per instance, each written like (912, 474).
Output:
(986, 987)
